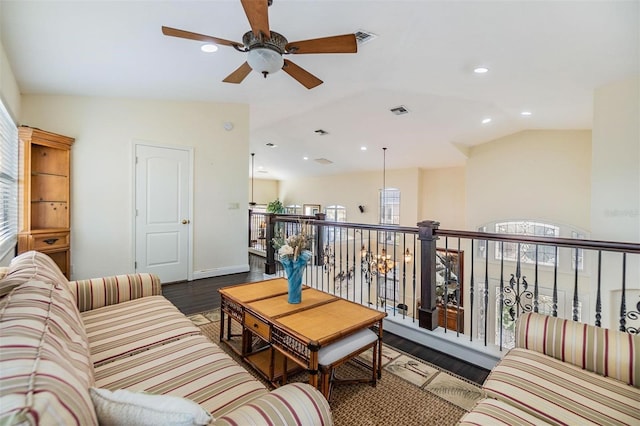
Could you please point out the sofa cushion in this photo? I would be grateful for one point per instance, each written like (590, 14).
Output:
(610, 353)
(561, 393)
(192, 367)
(45, 366)
(98, 292)
(125, 328)
(32, 266)
(142, 409)
(293, 404)
(493, 412)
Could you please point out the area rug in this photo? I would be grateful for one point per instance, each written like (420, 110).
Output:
(411, 391)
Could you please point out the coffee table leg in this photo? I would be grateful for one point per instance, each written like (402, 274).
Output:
(222, 325)
(313, 368)
(380, 350)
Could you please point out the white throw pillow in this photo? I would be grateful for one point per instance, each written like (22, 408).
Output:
(123, 407)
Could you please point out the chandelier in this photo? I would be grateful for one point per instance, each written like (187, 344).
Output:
(384, 262)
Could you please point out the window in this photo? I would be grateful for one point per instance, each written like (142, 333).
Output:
(8, 181)
(546, 255)
(335, 214)
(293, 209)
(390, 206)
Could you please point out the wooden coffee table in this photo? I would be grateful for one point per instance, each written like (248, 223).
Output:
(293, 332)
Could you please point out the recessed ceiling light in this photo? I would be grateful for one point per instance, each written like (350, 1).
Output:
(480, 70)
(486, 121)
(525, 113)
(305, 158)
(363, 148)
(209, 48)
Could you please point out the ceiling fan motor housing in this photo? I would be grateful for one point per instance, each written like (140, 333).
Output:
(265, 55)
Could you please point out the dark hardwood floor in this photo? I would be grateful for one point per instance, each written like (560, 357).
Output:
(191, 297)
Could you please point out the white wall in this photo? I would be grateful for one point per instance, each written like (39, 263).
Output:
(102, 175)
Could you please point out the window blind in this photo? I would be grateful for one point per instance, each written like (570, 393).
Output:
(8, 181)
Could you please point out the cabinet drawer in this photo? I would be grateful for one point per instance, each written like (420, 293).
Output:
(50, 241)
(257, 326)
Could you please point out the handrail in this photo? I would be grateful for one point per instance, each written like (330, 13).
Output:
(561, 242)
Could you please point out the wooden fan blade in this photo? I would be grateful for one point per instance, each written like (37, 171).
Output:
(336, 44)
(258, 16)
(303, 76)
(173, 32)
(238, 75)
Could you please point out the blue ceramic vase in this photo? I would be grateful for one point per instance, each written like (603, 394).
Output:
(294, 270)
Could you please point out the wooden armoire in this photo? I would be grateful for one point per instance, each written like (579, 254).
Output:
(44, 195)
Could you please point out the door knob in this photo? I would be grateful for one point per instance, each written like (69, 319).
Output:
(185, 221)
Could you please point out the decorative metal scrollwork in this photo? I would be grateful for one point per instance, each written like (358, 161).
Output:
(517, 302)
(635, 317)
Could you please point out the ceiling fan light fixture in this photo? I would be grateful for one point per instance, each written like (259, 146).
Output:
(265, 60)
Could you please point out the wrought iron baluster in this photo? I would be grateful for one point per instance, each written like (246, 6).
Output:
(486, 292)
(535, 284)
(501, 311)
(623, 298)
(598, 292)
(415, 256)
(555, 282)
(471, 289)
(575, 288)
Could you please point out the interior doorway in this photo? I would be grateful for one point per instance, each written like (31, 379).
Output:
(163, 226)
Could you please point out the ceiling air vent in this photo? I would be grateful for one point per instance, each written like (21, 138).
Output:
(399, 110)
(320, 132)
(323, 161)
(363, 36)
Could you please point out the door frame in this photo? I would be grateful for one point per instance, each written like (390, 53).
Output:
(140, 142)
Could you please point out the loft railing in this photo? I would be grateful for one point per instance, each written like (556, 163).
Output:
(468, 285)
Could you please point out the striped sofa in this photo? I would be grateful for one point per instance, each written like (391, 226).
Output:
(62, 342)
(563, 372)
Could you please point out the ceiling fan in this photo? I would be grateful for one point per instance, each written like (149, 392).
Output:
(265, 48)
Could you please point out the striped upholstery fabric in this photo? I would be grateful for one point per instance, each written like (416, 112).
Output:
(293, 404)
(192, 367)
(492, 412)
(44, 358)
(561, 393)
(98, 292)
(32, 266)
(3, 271)
(610, 353)
(119, 330)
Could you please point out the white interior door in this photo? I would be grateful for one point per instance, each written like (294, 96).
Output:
(163, 218)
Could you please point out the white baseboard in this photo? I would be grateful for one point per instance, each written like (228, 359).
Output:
(216, 272)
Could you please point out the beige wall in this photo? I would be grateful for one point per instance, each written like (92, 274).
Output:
(535, 174)
(8, 86)
(102, 175)
(355, 189)
(442, 196)
(615, 176)
(264, 190)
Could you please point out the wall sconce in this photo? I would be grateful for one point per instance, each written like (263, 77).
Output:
(408, 257)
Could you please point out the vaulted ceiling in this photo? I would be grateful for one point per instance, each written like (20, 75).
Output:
(544, 57)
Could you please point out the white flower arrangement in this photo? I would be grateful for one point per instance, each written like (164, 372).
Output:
(292, 246)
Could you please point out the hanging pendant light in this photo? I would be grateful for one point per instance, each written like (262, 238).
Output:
(252, 203)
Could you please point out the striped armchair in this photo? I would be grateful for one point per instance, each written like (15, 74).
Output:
(563, 372)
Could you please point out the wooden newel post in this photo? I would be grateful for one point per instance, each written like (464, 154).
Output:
(269, 233)
(428, 313)
(319, 258)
